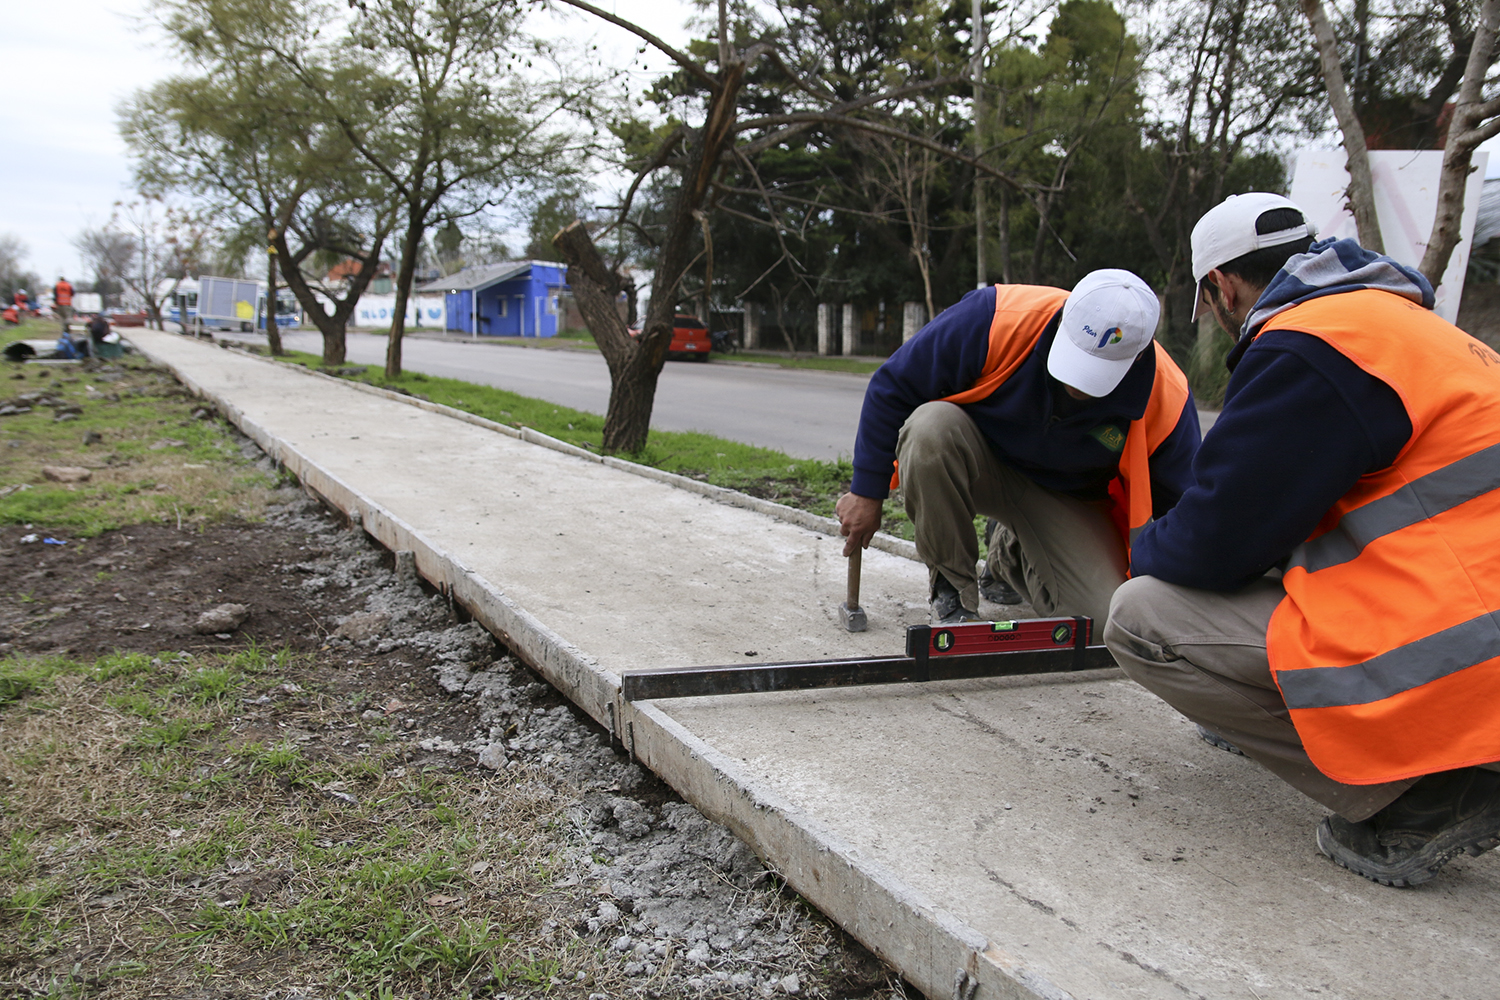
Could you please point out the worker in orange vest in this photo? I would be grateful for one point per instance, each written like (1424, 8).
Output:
(1324, 598)
(62, 301)
(1053, 413)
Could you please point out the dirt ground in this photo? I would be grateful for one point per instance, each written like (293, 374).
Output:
(354, 792)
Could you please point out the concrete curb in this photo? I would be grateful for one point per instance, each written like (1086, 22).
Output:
(940, 954)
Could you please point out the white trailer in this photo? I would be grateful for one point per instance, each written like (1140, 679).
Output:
(228, 303)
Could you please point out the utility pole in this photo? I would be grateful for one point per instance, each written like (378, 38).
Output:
(976, 66)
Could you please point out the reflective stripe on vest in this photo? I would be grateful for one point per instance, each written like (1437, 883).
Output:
(1022, 313)
(1387, 645)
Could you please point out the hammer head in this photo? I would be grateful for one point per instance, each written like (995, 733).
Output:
(853, 619)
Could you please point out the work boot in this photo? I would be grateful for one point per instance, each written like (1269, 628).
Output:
(1409, 840)
(991, 587)
(947, 606)
(1213, 739)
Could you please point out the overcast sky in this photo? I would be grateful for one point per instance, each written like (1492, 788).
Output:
(64, 164)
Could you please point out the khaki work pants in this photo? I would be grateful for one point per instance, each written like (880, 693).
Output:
(1063, 555)
(1204, 653)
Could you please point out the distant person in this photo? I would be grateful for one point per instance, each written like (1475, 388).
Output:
(62, 301)
(1053, 412)
(1325, 596)
(22, 302)
(98, 328)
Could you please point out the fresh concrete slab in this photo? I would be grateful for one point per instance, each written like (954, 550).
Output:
(1025, 838)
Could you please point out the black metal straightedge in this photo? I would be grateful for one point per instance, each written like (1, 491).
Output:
(692, 682)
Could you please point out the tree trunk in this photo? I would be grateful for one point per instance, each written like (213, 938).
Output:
(635, 367)
(1465, 133)
(1005, 234)
(409, 245)
(1361, 185)
(981, 236)
(273, 331)
(333, 327)
(1043, 207)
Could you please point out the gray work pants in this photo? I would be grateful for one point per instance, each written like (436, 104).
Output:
(1063, 555)
(1204, 653)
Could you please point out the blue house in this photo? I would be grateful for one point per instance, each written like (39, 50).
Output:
(516, 299)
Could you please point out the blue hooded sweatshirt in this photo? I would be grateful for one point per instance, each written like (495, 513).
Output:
(1301, 423)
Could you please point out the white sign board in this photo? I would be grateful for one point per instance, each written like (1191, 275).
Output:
(1406, 189)
(425, 311)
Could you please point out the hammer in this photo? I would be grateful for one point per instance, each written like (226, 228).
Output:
(850, 613)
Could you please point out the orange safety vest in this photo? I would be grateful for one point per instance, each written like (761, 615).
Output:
(1022, 313)
(62, 293)
(1387, 645)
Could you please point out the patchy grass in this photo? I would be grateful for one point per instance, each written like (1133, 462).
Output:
(147, 840)
(154, 453)
(808, 484)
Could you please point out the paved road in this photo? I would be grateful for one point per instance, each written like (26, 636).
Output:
(807, 414)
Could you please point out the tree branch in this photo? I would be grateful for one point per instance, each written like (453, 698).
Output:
(815, 118)
(682, 59)
(1356, 154)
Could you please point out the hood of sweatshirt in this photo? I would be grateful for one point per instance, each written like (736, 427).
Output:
(1330, 267)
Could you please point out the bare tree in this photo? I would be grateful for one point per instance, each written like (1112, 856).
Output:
(697, 153)
(166, 241)
(1361, 187)
(107, 252)
(1232, 80)
(1475, 119)
(13, 272)
(904, 174)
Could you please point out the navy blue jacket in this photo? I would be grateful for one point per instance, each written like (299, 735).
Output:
(1030, 421)
(1301, 423)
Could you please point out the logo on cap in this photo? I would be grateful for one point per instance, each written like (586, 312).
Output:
(1111, 336)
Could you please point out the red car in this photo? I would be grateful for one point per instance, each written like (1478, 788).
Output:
(690, 339)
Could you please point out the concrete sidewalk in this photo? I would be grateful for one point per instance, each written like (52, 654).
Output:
(1061, 837)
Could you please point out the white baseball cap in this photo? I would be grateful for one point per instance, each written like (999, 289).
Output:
(1107, 321)
(1227, 231)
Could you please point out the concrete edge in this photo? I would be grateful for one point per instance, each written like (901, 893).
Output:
(825, 525)
(934, 950)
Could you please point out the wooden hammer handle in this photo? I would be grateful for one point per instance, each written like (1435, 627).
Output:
(852, 599)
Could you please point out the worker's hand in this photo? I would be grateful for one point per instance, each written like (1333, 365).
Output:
(859, 519)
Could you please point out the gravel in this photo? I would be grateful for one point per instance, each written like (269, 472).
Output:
(677, 902)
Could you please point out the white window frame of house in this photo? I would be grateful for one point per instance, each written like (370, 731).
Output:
(503, 312)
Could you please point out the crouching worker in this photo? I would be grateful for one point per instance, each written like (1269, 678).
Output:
(1357, 459)
(1053, 413)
